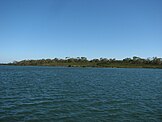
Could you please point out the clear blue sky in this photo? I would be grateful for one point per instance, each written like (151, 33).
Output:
(35, 29)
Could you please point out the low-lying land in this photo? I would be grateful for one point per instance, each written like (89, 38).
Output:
(135, 62)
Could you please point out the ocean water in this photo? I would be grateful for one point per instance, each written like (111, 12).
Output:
(51, 94)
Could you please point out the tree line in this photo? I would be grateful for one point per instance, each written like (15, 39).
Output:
(135, 61)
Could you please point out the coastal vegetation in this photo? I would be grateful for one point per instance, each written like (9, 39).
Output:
(134, 62)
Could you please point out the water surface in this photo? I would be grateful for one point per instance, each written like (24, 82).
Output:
(80, 94)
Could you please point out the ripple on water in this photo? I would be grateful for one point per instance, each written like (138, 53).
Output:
(80, 94)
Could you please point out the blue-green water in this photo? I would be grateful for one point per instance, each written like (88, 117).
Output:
(80, 94)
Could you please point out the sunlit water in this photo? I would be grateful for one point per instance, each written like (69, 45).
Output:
(80, 94)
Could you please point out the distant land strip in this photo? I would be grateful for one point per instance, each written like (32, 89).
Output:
(134, 62)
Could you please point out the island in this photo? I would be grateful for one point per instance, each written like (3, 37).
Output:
(134, 62)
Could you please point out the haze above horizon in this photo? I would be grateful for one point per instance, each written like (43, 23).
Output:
(36, 29)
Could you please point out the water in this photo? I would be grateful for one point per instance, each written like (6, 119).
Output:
(80, 94)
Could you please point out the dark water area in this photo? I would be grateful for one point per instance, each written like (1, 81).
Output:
(44, 94)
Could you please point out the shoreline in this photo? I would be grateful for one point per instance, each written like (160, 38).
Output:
(134, 62)
(129, 67)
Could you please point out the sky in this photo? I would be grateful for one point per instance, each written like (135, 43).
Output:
(36, 29)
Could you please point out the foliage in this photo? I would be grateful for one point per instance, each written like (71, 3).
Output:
(135, 62)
